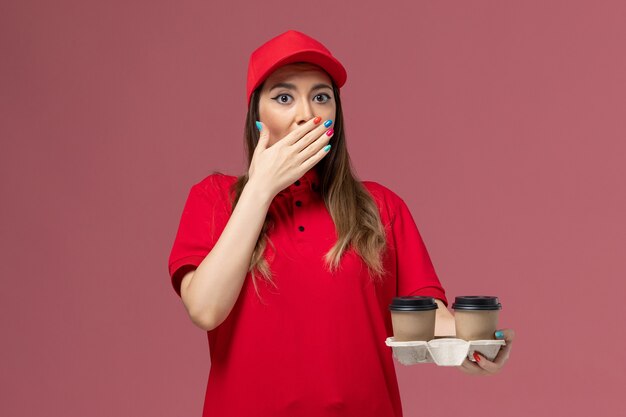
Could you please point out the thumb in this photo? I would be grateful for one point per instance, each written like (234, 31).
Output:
(264, 136)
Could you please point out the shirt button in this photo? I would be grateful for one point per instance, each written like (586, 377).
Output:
(297, 182)
(301, 228)
(298, 203)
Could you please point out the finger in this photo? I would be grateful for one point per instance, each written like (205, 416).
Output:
(313, 137)
(503, 355)
(321, 140)
(470, 367)
(264, 137)
(300, 131)
(507, 334)
(486, 364)
(309, 163)
(465, 369)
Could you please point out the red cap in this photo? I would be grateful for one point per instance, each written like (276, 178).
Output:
(288, 47)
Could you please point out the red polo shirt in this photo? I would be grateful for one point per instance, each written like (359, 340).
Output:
(316, 346)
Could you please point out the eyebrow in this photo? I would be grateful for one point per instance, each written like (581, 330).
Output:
(290, 86)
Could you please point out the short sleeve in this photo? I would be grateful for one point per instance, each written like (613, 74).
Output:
(415, 272)
(203, 219)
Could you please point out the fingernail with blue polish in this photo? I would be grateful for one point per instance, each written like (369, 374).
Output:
(326, 148)
(258, 125)
(328, 123)
(499, 334)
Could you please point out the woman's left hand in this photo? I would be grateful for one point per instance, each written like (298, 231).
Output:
(483, 366)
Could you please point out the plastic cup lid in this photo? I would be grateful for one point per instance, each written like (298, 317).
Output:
(476, 302)
(413, 303)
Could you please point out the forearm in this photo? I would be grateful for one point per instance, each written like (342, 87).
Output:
(217, 282)
(444, 321)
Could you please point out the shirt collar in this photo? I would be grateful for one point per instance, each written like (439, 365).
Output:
(309, 182)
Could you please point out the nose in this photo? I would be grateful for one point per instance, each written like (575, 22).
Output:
(304, 111)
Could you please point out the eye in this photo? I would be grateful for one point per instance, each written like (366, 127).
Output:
(279, 99)
(323, 95)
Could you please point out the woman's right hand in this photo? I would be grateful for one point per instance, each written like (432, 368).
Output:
(274, 168)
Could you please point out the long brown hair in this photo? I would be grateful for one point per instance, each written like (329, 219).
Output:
(351, 206)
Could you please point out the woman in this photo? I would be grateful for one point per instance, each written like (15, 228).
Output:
(291, 267)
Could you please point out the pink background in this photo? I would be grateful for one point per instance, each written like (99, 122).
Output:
(501, 124)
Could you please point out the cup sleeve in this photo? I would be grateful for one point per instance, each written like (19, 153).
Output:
(202, 221)
(415, 273)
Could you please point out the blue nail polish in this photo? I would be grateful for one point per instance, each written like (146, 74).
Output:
(327, 123)
(499, 334)
(327, 148)
(258, 125)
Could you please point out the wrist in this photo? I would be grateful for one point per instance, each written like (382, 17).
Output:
(258, 191)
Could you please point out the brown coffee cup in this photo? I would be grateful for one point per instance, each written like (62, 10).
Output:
(476, 316)
(413, 318)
